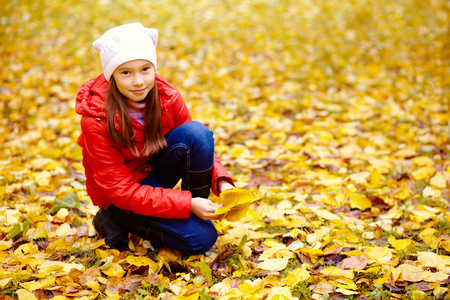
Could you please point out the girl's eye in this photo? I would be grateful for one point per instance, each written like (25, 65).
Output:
(146, 69)
(125, 72)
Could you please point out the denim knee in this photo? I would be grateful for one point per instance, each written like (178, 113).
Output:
(198, 134)
(201, 144)
(202, 241)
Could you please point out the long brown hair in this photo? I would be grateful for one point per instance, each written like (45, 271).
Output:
(153, 137)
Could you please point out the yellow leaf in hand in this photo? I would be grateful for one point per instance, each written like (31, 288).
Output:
(235, 203)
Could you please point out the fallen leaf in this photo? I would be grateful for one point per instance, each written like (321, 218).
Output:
(274, 264)
(360, 202)
(354, 262)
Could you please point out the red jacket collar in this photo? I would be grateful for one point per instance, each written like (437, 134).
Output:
(90, 99)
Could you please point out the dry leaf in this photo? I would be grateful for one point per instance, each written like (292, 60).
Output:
(354, 262)
(235, 202)
(274, 264)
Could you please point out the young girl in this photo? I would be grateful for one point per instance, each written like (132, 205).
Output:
(138, 141)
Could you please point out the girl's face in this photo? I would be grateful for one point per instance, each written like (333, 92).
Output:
(135, 79)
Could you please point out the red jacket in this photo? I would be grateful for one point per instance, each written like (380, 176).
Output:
(113, 173)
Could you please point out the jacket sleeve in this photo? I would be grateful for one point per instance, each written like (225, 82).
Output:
(181, 116)
(112, 180)
(219, 172)
(179, 109)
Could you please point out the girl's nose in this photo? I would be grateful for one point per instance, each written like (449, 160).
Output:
(138, 80)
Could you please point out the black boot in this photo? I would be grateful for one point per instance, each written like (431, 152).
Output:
(115, 237)
(198, 183)
(155, 237)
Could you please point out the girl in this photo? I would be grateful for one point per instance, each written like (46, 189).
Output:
(138, 141)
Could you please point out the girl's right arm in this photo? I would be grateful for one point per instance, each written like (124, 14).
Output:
(111, 180)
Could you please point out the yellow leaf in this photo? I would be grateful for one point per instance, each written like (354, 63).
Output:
(345, 283)
(311, 253)
(38, 285)
(325, 214)
(375, 178)
(93, 284)
(236, 203)
(407, 152)
(436, 276)
(142, 261)
(423, 161)
(296, 276)
(346, 292)
(274, 264)
(445, 244)
(412, 273)
(438, 181)
(26, 249)
(403, 194)
(222, 287)
(428, 236)
(48, 266)
(4, 282)
(334, 272)
(5, 244)
(193, 296)
(65, 230)
(12, 216)
(43, 178)
(279, 293)
(322, 287)
(430, 260)
(360, 202)
(423, 173)
(25, 295)
(439, 291)
(272, 251)
(251, 287)
(330, 181)
(237, 212)
(376, 253)
(423, 212)
(406, 244)
(115, 270)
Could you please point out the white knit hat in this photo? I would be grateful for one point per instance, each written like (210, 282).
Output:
(124, 43)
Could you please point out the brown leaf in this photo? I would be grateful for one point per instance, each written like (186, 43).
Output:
(130, 282)
(424, 286)
(113, 284)
(82, 230)
(259, 180)
(304, 259)
(378, 202)
(90, 274)
(354, 262)
(151, 278)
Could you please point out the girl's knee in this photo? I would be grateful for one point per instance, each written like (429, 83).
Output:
(202, 241)
(199, 133)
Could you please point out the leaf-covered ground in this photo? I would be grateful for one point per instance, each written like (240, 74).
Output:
(335, 113)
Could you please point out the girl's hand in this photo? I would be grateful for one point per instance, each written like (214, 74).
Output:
(204, 208)
(223, 185)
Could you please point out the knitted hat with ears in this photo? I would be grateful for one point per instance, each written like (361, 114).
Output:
(124, 43)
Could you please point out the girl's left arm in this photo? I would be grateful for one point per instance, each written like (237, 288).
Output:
(223, 185)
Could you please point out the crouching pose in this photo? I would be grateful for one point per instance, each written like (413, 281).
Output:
(138, 141)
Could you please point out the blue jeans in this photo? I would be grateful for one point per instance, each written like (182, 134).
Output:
(189, 156)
